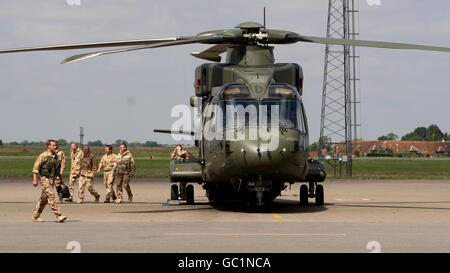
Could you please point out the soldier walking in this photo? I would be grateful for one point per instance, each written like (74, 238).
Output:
(62, 157)
(124, 170)
(47, 166)
(108, 162)
(75, 168)
(88, 168)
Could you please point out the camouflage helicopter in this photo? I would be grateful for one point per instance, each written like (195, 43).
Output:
(231, 166)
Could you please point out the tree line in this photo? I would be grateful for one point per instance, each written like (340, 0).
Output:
(432, 133)
(97, 143)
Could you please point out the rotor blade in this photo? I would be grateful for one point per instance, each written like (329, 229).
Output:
(363, 43)
(212, 53)
(91, 45)
(190, 133)
(80, 57)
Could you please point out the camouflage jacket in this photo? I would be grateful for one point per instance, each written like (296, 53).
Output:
(176, 155)
(108, 162)
(88, 165)
(42, 159)
(75, 161)
(62, 157)
(125, 164)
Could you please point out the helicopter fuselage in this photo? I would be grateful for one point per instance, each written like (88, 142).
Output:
(254, 129)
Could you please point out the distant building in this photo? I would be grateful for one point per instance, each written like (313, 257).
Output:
(419, 147)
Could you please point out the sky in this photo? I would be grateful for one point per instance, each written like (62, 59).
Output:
(126, 96)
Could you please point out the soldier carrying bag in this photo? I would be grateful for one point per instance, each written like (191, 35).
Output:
(63, 191)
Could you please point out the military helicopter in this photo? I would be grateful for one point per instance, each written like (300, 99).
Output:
(229, 166)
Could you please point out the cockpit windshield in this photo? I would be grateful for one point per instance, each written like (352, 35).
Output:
(282, 108)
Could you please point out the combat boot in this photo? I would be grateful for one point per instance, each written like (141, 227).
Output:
(80, 201)
(118, 200)
(97, 198)
(37, 219)
(61, 218)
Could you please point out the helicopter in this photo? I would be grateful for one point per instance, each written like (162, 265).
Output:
(253, 136)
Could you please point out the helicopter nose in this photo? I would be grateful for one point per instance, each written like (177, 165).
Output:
(258, 159)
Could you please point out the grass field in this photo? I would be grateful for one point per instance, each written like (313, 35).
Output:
(399, 168)
(17, 161)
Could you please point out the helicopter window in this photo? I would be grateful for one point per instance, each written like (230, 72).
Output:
(282, 91)
(290, 113)
(235, 91)
(237, 112)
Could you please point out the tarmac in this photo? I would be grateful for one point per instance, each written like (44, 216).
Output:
(359, 216)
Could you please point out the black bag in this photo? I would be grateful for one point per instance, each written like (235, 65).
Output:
(63, 190)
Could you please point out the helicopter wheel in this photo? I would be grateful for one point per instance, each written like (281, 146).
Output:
(190, 194)
(174, 192)
(251, 202)
(304, 196)
(319, 195)
(268, 202)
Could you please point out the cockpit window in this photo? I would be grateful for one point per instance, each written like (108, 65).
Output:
(282, 108)
(235, 91)
(290, 114)
(282, 91)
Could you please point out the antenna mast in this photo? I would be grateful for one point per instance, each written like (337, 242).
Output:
(340, 82)
(81, 136)
(264, 17)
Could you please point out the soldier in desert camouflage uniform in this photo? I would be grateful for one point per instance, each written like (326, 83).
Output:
(62, 157)
(108, 162)
(47, 166)
(123, 171)
(75, 168)
(177, 154)
(88, 168)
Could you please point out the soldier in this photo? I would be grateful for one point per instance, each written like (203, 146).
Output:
(62, 157)
(177, 154)
(108, 162)
(88, 168)
(48, 166)
(123, 171)
(75, 168)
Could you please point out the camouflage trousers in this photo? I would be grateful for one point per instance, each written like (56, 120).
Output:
(89, 181)
(72, 179)
(108, 180)
(47, 197)
(123, 180)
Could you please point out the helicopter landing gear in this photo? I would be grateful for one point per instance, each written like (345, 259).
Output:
(174, 192)
(189, 194)
(257, 203)
(314, 191)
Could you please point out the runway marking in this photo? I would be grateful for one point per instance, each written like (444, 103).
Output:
(276, 215)
(254, 234)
